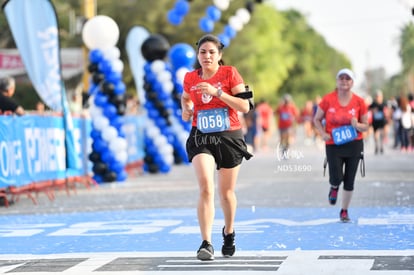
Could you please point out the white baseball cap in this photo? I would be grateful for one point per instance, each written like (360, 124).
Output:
(346, 71)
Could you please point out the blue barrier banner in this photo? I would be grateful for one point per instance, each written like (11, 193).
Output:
(35, 30)
(32, 147)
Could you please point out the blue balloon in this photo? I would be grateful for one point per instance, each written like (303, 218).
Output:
(109, 110)
(174, 18)
(113, 77)
(116, 166)
(95, 56)
(105, 66)
(107, 156)
(95, 134)
(99, 145)
(206, 24)
(182, 55)
(213, 13)
(182, 7)
(117, 122)
(100, 99)
(230, 32)
(153, 113)
(120, 88)
(98, 178)
(224, 39)
(122, 176)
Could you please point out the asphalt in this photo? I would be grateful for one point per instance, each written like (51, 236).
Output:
(266, 180)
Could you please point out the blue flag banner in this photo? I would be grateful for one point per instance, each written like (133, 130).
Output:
(135, 38)
(35, 31)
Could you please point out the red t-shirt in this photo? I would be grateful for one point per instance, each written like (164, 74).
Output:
(287, 114)
(337, 115)
(227, 77)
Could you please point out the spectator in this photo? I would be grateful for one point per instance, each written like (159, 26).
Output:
(7, 103)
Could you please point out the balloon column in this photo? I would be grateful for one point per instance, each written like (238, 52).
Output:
(213, 14)
(107, 99)
(163, 144)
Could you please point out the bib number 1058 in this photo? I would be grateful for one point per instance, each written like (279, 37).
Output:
(214, 120)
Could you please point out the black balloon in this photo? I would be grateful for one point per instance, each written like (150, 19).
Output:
(153, 168)
(118, 99)
(97, 78)
(93, 67)
(121, 109)
(109, 176)
(155, 47)
(100, 168)
(107, 88)
(94, 156)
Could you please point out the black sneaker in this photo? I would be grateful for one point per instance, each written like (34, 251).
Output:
(333, 195)
(343, 215)
(228, 247)
(205, 252)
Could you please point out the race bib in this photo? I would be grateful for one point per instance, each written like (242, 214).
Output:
(344, 134)
(379, 115)
(213, 120)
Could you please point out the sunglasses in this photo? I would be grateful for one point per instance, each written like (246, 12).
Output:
(344, 77)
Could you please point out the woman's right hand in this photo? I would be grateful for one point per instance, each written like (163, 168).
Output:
(326, 136)
(187, 114)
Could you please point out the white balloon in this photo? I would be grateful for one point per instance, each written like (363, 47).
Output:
(157, 66)
(166, 149)
(109, 133)
(164, 76)
(100, 122)
(222, 4)
(117, 65)
(167, 87)
(169, 159)
(160, 140)
(235, 23)
(112, 53)
(121, 156)
(118, 144)
(244, 15)
(100, 32)
(95, 111)
(180, 73)
(152, 131)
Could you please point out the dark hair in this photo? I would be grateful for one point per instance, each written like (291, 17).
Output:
(209, 38)
(5, 83)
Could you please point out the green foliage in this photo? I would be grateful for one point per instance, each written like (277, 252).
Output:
(275, 52)
(315, 63)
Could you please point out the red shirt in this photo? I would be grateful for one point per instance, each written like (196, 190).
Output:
(337, 115)
(287, 114)
(227, 77)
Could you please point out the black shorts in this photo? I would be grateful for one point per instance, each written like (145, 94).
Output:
(343, 162)
(228, 148)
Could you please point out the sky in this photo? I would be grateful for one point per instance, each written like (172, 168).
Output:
(366, 31)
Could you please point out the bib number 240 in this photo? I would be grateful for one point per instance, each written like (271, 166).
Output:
(344, 134)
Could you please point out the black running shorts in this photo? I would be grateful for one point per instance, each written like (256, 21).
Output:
(228, 148)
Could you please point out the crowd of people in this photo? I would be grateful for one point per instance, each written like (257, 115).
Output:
(391, 123)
